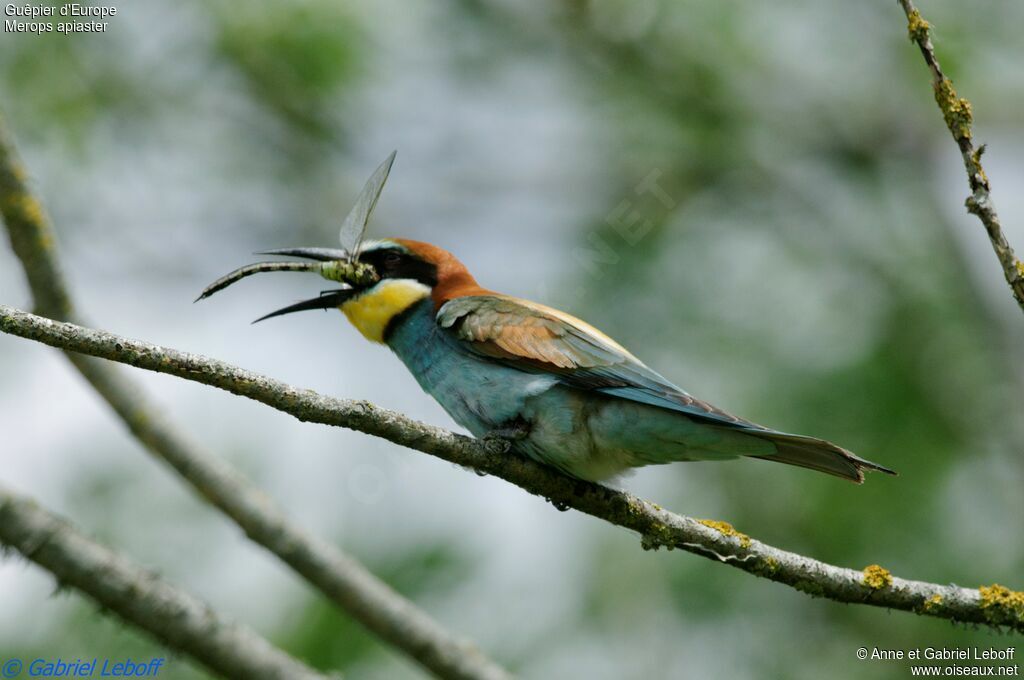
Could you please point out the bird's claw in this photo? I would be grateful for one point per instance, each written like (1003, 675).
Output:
(509, 433)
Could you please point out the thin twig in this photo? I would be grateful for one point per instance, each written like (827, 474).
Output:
(140, 597)
(959, 116)
(345, 581)
(993, 605)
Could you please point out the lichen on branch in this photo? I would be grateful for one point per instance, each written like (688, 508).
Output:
(959, 117)
(656, 526)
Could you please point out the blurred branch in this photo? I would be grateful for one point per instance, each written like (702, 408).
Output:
(993, 605)
(140, 597)
(345, 581)
(958, 115)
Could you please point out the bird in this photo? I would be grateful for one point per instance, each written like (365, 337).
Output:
(562, 392)
(557, 389)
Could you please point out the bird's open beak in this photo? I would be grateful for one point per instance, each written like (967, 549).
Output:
(328, 299)
(332, 264)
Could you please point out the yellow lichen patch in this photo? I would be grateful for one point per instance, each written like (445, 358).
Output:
(727, 529)
(46, 239)
(976, 165)
(25, 208)
(767, 567)
(876, 577)
(932, 604)
(917, 27)
(1002, 605)
(657, 537)
(956, 110)
(1020, 267)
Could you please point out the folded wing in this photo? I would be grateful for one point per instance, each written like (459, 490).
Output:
(536, 338)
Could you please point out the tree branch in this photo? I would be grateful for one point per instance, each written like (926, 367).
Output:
(959, 117)
(993, 605)
(345, 581)
(170, 615)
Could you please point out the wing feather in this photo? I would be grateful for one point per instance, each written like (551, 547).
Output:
(538, 339)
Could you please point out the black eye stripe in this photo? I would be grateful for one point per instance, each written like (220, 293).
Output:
(395, 264)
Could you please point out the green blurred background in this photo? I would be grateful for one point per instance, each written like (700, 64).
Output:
(809, 266)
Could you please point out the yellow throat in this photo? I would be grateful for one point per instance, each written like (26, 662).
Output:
(373, 310)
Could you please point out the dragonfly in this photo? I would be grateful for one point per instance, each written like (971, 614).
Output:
(340, 265)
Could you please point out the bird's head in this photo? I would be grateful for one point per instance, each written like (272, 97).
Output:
(380, 280)
(384, 279)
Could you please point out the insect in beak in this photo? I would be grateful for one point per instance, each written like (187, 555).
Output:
(340, 265)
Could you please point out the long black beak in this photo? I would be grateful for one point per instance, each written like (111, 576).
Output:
(319, 254)
(326, 300)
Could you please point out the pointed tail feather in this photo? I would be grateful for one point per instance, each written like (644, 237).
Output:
(820, 455)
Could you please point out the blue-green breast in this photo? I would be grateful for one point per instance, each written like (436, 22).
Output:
(477, 393)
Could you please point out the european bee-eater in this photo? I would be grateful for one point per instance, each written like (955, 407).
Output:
(561, 391)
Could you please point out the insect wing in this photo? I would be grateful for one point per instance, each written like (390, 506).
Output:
(354, 227)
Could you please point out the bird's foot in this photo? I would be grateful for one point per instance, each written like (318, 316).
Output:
(509, 433)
